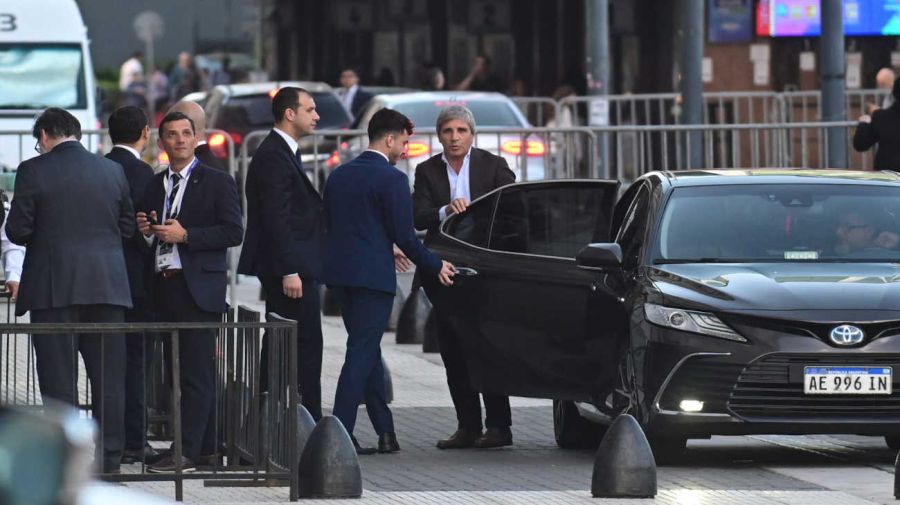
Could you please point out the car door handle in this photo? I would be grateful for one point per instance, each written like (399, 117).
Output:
(466, 272)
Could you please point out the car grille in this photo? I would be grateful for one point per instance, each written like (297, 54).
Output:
(701, 378)
(771, 388)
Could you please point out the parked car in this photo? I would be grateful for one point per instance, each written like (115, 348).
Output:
(491, 110)
(241, 109)
(707, 303)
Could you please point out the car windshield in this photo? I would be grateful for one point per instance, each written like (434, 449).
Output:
(254, 112)
(780, 223)
(37, 76)
(487, 113)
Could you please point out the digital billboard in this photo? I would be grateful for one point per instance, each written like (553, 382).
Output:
(803, 18)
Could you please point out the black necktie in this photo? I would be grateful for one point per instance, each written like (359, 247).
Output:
(176, 182)
(299, 158)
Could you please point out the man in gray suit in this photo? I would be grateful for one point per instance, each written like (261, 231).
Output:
(72, 209)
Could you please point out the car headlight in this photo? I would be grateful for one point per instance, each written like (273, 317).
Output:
(690, 320)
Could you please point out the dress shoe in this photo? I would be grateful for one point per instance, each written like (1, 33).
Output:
(462, 439)
(494, 437)
(360, 450)
(147, 454)
(167, 465)
(210, 462)
(387, 443)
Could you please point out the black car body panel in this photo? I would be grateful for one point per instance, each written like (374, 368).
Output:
(536, 323)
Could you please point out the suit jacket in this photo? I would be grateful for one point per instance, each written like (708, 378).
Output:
(71, 209)
(431, 189)
(369, 209)
(360, 99)
(885, 131)
(210, 211)
(137, 253)
(285, 219)
(206, 157)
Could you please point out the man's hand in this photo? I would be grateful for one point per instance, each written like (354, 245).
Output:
(13, 288)
(144, 224)
(292, 286)
(458, 206)
(446, 274)
(887, 240)
(401, 262)
(871, 107)
(865, 118)
(172, 232)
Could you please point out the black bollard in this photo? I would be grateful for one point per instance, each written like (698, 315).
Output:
(624, 466)
(399, 300)
(430, 343)
(329, 467)
(330, 304)
(305, 426)
(896, 475)
(411, 325)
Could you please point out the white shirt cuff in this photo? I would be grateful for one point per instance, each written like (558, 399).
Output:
(290, 275)
(442, 213)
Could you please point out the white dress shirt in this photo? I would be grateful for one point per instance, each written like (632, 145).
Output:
(13, 257)
(347, 96)
(292, 144)
(167, 183)
(380, 154)
(129, 149)
(459, 183)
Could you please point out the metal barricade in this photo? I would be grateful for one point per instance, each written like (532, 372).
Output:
(537, 109)
(261, 445)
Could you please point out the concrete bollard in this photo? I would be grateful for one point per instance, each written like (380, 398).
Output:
(624, 466)
(411, 324)
(305, 426)
(330, 304)
(399, 300)
(329, 467)
(430, 343)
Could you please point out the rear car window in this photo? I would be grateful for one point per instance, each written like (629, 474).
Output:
(254, 112)
(424, 114)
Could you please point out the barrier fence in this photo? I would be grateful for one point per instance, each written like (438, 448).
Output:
(256, 430)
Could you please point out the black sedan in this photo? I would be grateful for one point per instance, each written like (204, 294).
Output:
(701, 302)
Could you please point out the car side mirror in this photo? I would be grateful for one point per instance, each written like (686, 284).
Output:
(599, 257)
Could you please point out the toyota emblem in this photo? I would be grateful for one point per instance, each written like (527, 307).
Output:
(846, 334)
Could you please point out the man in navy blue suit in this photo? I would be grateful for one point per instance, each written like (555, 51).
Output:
(369, 209)
(199, 217)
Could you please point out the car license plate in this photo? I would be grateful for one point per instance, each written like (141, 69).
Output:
(843, 380)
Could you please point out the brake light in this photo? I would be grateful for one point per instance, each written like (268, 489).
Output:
(162, 158)
(532, 147)
(274, 92)
(218, 143)
(333, 161)
(416, 149)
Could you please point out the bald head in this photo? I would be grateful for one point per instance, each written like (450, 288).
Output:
(193, 111)
(884, 79)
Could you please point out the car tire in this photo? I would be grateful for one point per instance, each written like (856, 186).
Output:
(893, 442)
(573, 431)
(667, 450)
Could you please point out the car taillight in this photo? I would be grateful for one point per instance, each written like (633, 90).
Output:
(416, 149)
(532, 147)
(162, 158)
(333, 161)
(218, 144)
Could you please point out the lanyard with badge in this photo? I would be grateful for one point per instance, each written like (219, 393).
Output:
(165, 256)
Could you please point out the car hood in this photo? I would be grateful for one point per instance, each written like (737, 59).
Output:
(870, 287)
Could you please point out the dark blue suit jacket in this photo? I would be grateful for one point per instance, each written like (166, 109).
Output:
(211, 213)
(137, 253)
(285, 220)
(369, 209)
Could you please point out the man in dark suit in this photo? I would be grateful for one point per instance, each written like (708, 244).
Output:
(882, 127)
(444, 185)
(72, 209)
(368, 206)
(198, 116)
(201, 218)
(130, 132)
(285, 236)
(352, 95)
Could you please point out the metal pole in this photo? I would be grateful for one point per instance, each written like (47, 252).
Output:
(833, 80)
(692, 17)
(597, 64)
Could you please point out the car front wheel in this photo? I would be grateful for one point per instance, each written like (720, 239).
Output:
(573, 431)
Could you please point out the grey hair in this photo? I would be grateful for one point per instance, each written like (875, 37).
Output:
(456, 112)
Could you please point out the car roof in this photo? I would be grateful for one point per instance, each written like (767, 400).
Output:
(448, 96)
(775, 176)
(257, 88)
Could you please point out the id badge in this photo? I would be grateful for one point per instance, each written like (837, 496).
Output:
(165, 260)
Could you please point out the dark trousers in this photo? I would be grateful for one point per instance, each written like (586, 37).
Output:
(465, 397)
(104, 362)
(197, 349)
(366, 313)
(306, 311)
(139, 362)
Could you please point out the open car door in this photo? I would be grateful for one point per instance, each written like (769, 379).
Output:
(531, 322)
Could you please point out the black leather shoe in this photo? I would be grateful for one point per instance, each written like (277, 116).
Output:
(462, 439)
(167, 465)
(494, 437)
(148, 454)
(360, 450)
(387, 443)
(210, 462)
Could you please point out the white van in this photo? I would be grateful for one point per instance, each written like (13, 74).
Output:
(45, 62)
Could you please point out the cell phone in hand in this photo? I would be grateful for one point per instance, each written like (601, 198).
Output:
(152, 219)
